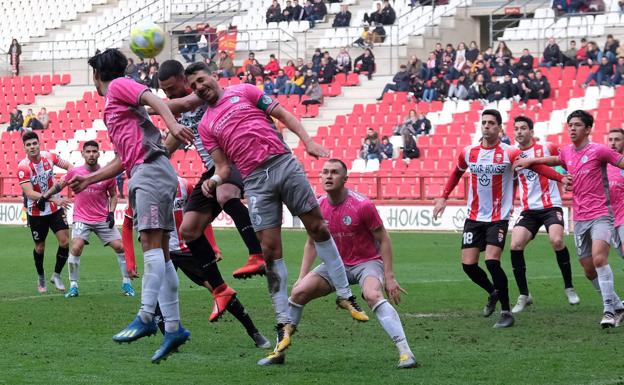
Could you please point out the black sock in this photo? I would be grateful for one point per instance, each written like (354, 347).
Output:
(61, 259)
(238, 310)
(203, 252)
(38, 262)
(478, 276)
(190, 266)
(240, 215)
(563, 260)
(519, 270)
(500, 282)
(160, 320)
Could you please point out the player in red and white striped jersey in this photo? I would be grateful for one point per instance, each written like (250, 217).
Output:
(192, 267)
(541, 206)
(36, 176)
(490, 201)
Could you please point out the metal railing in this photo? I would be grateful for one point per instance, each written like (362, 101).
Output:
(498, 25)
(47, 52)
(214, 10)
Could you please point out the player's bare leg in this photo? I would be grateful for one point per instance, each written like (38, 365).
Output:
(520, 237)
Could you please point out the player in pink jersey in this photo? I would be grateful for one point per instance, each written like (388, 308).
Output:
(490, 201)
(586, 162)
(94, 210)
(36, 176)
(194, 268)
(541, 206)
(152, 186)
(616, 188)
(366, 251)
(238, 128)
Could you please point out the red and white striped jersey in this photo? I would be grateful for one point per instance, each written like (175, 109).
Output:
(536, 191)
(41, 176)
(184, 190)
(490, 195)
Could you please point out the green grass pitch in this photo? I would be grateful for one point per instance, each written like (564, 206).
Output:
(47, 339)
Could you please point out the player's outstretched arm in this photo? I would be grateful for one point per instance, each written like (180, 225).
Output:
(172, 144)
(522, 163)
(185, 104)
(393, 289)
(79, 182)
(179, 131)
(294, 125)
(440, 203)
(222, 172)
(309, 254)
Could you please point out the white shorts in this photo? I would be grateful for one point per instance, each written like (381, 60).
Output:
(83, 231)
(357, 273)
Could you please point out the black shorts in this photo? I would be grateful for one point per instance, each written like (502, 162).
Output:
(197, 201)
(532, 220)
(481, 234)
(40, 225)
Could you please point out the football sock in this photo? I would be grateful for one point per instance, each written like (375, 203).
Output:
(203, 252)
(500, 282)
(168, 298)
(121, 258)
(74, 270)
(563, 260)
(277, 280)
(61, 258)
(478, 276)
(519, 270)
(240, 215)
(596, 285)
(295, 313)
(236, 308)
(189, 266)
(38, 262)
(390, 321)
(153, 274)
(605, 279)
(328, 253)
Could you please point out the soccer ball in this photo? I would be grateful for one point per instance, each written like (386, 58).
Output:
(147, 39)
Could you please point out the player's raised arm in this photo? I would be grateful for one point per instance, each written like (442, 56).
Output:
(222, 172)
(393, 289)
(294, 125)
(111, 170)
(522, 163)
(309, 255)
(179, 131)
(454, 178)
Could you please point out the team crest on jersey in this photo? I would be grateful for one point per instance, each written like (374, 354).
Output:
(484, 180)
(538, 153)
(20, 174)
(498, 157)
(266, 99)
(584, 159)
(524, 155)
(347, 220)
(234, 99)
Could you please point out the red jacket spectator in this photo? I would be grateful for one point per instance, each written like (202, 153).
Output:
(272, 66)
(290, 69)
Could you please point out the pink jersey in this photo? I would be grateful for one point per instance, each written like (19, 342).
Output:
(616, 192)
(184, 190)
(91, 204)
(590, 196)
(490, 193)
(132, 133)
(239, 124)
(351, 224)
(41, 176)
(536, 191)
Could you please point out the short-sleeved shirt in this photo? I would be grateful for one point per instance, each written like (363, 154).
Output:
(536, 191)
(490, 193)
(91, 204)
(239, 125)
(351, 224)
(590, 185)
(41, 176)
(132, 133)
(616, 193)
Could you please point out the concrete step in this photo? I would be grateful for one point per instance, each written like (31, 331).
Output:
(58, 98)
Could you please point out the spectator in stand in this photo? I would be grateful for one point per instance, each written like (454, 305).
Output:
(478, 89)
(459, 90)
(500, 67)
(44, 118)
(212, 66)
(458, 67)
(388, 15)
(14, 52)
(595, 6)
(417, 89)
(287, 12)
(290, 69)
(326, 72)
(508, 87)
(366, 38)
(343, 18)
(308, 10)
(495, 90)
(448, 59)
(525, 63)
(250, 79)
(272, 67)
(307, 80)
(251, 57)
(488, 57)
(410, 149)
(365, 63)
(274, 13)
(210, 44)
(387, 150)
(415, 67)
(281, 80)
(408, 125)
(569, 56)
(502, 51)
(373, 136)
(581, 54)
(371, 146)
(610, 49)
(422, 125)
(602, 75)
(561, 7)
(268, 87)
(329, 59)
(618, 76)
(152, 63)
(552, 54)
(434, 90)
(314, 92)
(226, 65)
(540, 88)
(481, 69)
(374, 17)
(343, 61)
(316, 60)
(132, 71)
(431, 66)
(461, 49)
(152, 78)
(301, 66)
(522, 90)
(379, 34)
(504, 138)
(16, 120)
(293, 87)
(593, 53)
(401, 82)
(297, 11)
(188, 44)
(31, 122)
(320, 9)
(438, 51)
(472, 52)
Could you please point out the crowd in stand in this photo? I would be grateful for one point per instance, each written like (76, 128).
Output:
(562, 7)
(143, 72)
(31, 121)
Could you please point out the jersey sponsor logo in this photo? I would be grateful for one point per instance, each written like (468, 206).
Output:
(347, 220)
(496, 169)
(178, 204)
(531, 176)
(584, 159)
(484, 180)
(41, 179)
(234, 99)
(524, 155)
